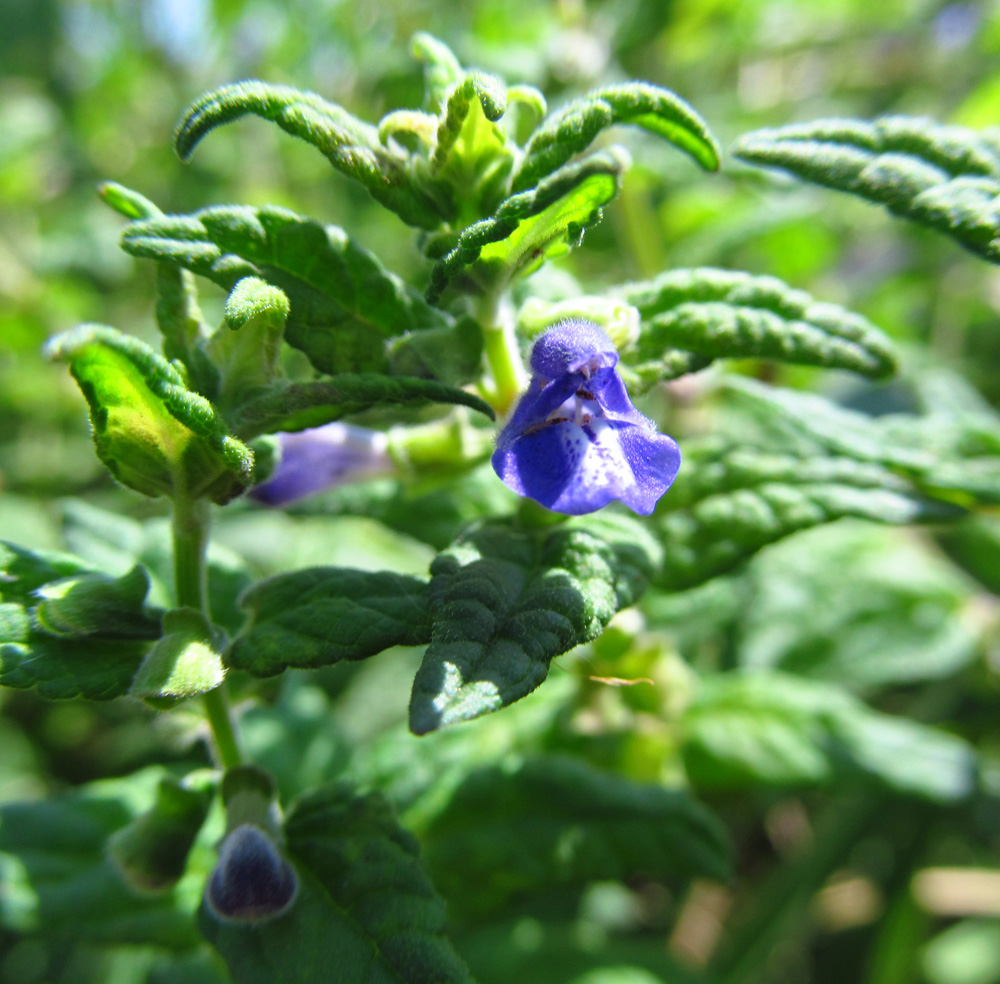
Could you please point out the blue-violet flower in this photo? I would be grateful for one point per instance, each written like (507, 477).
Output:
(575, 441)
(322, 458)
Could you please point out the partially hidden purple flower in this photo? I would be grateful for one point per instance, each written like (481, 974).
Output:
(575, 441)
(323, 457)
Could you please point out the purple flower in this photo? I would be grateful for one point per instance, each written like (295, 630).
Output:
(574, 441)
(323, 457)
(252, 882)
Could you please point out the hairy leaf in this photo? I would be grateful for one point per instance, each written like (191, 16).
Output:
(366, 910)
(505, 601)
(572, 128)
(183, 663)
(298, 406)
(748, 730)
(247, 347)
(152, 432)
(725, 314)
(441, 68)
(532, 226)
(343, 302)
(351, 146)
(556, 821)
(729, 502)
(945, 177)
(323, 615)
(92, 604)
(62, 884)
(452, 354)
(23, 571)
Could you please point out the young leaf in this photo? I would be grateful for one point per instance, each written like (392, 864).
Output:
(571, 129)
(247, 347)
(532, 226)
(152, 851)
(343, 303)
(725, 314)
(351, 146)
(366, 911)
(323, 615)
(64, 885)
(152, 433)
(441, 68)
(559, 822)
(731, 501)
(751, 730)
(505, 601)
(91, 604)
(299, 406)
(944, 177)
(183, 663)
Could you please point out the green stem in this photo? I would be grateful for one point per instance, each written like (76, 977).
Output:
(190, 527)
(502, 356)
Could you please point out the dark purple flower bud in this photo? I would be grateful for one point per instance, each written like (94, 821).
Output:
(323, 457)
(251, 882)
(575, 441)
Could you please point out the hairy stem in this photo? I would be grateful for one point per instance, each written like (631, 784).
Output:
(190, 528)
(502, 356)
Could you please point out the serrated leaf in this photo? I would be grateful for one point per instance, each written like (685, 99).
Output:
(343, 303)
(507, 833)
(323, 615)
(532, 226)
(944, 177)
(366, 910)
(770, 729)
(505, 601)
(92, 604)
(246, 348)
(59, 883)
(572, 128)
(726, 314)
(153, 434)
(351, 146)
(184, 662)
(730, 502)
(617, 319)
(299, 406)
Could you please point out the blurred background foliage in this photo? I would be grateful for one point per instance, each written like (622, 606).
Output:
(91, 89)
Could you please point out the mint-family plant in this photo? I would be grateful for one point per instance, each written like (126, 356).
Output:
(492, 418)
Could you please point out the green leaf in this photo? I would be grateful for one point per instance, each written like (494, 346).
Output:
(532, 226)
(452, 354)
(91, 604)
(944, 177)
(365, 912)
(298, 406)
(899, 618)
(505, 601)
(154, 435)
(127, 202)
(618, 320)
(441, 68)
(769, 729)
(23, 571)
(343, 303)
(351, 146)
(246, 349)
(571, 129)
(323, 615)
(183, 663)
(81, 635)
(725, 314)
(151, 853)
(59, 882)
(511, 832)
